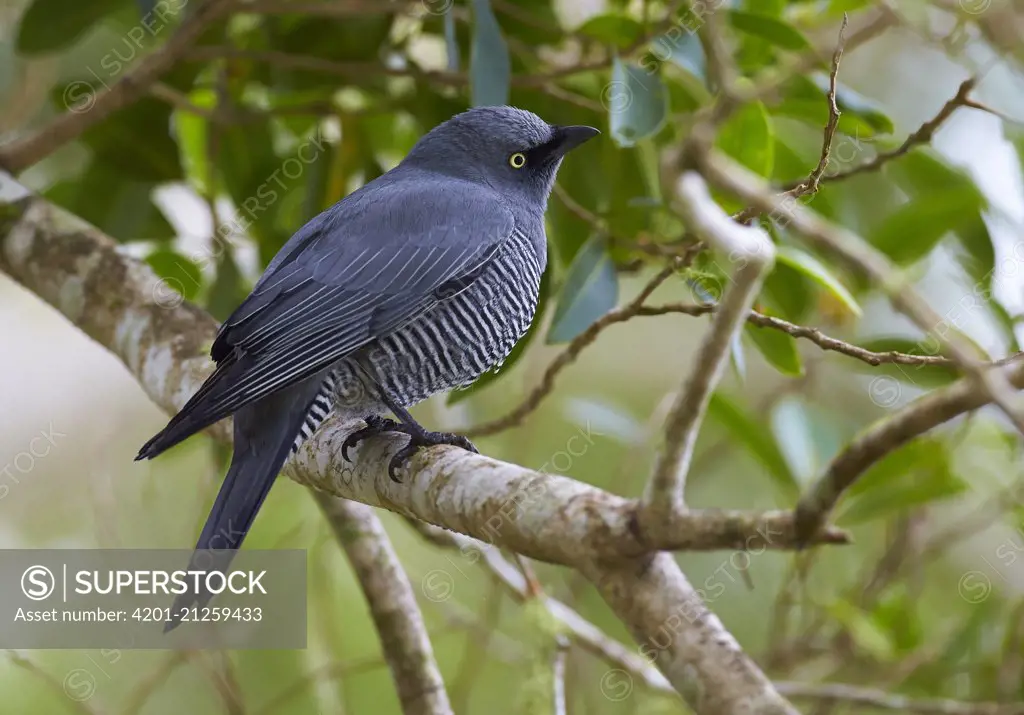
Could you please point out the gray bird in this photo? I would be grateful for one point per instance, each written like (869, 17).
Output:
(417, 283)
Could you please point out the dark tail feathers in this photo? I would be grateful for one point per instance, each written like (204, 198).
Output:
(264, 433)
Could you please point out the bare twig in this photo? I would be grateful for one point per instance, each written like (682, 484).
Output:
(810, 185)
(558, 676)
(754, 254)
(403, 635)
(825, 342)
(853, 694)
(923, 135)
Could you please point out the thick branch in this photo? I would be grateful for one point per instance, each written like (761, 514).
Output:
(403, 635)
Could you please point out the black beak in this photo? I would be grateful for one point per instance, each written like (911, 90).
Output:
(567, 138)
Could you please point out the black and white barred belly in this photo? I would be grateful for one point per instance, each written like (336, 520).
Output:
(448, 347)
(464, 335)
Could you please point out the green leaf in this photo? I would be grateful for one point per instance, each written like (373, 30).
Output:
(814, 269)
(637, 103)
(684, 50)
(770, 29)
(924, 171)
(190, 130)
(865, 115)
(137, 142)
(852, 102)
(737, 358)
(792, 426)
(489, 67)
(748, 138)
(912, 231)
(591, 289)
(114, 203)
(518, 350)
(815, 113)
(751, 435)
(51, 25)
(228, 289)
(612, 28)
(917, 473)
(866, 633)
(787, 293)
(178, 272)
(451, 41)
(778, 348)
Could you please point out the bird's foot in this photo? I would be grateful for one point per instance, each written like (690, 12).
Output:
(418, 438)
(375, 424)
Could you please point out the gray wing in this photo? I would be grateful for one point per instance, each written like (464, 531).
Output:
(356, 272)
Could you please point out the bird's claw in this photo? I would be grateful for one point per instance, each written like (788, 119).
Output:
(423, 438)
(418, 437)
(374, 426)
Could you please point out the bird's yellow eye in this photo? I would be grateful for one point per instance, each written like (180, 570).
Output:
(517, 160)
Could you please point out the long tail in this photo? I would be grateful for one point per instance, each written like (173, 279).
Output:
(264, 434)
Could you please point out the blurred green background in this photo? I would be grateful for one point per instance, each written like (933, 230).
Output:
(929, 601)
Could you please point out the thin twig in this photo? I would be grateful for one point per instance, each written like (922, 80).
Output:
(810, 185)
(853, 694)
(923, 135)
(558, 706)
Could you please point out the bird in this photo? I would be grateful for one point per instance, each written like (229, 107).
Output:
(416, 283)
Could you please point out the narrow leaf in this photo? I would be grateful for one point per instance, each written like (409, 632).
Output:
(912, 231)
(52, 25)
(814, 269)
(612, 29)
(778, 348)
(792, 426)
(770, 29)
(490, 70)
(591, 289)
(752, 436)
(637, 103)
(748, 137)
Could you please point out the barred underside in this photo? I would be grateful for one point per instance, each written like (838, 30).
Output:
(462, 337)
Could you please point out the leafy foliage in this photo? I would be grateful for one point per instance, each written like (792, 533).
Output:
(277, 115)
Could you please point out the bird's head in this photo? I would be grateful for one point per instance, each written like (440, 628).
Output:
(514, 151)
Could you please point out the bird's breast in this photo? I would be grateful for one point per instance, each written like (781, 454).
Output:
(464, 335)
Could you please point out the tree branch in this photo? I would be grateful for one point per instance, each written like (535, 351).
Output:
(403, 635)
(99, 104)
(859, 254)
(163, 341)
(753, 252)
